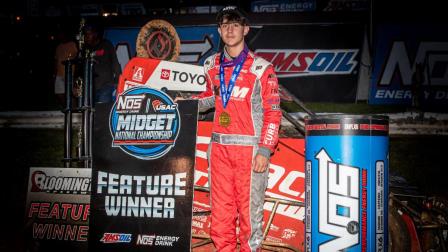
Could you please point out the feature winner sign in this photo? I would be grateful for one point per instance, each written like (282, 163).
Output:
(143, 170)
(57, 209)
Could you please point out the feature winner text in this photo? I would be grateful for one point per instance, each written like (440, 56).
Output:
(141, 196)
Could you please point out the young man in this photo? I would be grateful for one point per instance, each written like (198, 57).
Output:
(243, 89)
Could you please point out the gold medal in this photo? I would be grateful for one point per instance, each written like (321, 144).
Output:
(224, 119)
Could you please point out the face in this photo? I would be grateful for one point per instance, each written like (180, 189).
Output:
(232, 32)
(90, 37)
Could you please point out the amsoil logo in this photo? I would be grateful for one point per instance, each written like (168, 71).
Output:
(311, 62)
(116, 238)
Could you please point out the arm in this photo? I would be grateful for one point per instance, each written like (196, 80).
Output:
(207, 98)
(271, 119)
(115, 65)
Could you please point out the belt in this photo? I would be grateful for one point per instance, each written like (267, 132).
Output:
(234, 139)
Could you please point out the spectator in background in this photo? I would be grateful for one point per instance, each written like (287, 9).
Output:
(106, 68)
(65, 50)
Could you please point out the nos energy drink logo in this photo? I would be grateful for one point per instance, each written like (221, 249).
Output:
(338, 203)
(144, 123)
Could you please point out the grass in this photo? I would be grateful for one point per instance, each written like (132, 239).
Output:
(419, 160)
(23, 148)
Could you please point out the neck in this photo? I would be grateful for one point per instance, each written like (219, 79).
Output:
(234, 51)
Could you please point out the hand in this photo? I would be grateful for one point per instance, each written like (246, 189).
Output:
(260, 163)
(179, 98)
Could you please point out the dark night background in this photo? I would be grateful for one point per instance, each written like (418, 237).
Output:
(27, 42)
(29, 29)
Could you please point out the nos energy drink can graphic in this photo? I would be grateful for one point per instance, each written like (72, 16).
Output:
(346, 173)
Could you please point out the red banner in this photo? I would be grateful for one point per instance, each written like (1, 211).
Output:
(286, 181)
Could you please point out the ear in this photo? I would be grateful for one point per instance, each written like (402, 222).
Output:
(219, 31)
(246, 30)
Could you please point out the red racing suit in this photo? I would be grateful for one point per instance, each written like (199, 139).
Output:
(237, 192)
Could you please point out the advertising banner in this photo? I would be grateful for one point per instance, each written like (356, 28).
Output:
(346, 5)
(283, 5)
(314, 62)
(410, 66)
(286, 181)
(162, 75)
(57, 209)
(197, 42)
(142, 176)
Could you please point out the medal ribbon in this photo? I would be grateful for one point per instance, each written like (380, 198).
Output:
(238, 63)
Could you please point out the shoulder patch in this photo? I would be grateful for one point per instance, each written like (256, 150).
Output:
(259, 66)
(209, 62)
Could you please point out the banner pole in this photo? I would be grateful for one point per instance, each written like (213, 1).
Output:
(91, 112)
(85, 112)
(68, 114)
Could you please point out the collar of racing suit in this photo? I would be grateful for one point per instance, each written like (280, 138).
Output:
(232, 61)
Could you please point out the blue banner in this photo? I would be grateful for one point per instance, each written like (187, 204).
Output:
(410, 66)
(283, 5)
(197, 42)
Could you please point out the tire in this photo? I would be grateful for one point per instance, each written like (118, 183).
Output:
(399, 239)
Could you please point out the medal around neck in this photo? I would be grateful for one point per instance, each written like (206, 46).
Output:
(238, 63)
(224, 119)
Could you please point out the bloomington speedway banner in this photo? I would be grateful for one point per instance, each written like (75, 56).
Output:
(399, 49)
(286, 181)
(57, 209)
(142, 176)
